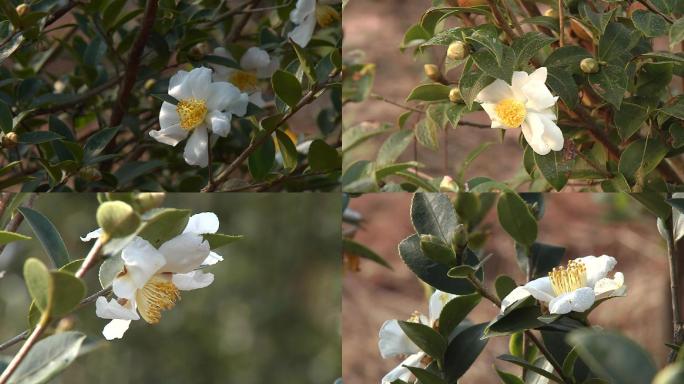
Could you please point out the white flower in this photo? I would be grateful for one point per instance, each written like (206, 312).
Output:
(202, 105)
(151, 279)
(305, 15)
(574, 288)
(527, 102)
(677, 221)
(256, 64)
(394, 342)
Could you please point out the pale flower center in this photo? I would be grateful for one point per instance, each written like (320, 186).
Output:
(571, 278)
(244, 80)
(511, 112)
(191, 113)
(157, 295)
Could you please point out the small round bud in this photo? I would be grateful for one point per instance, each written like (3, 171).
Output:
(150, 200)
(589, 65)
(455, 95)
(59, 86)
(117, 219)
(10, 140)
(198, 51)
(90, 174)
(149, 84)
(551, 13)
(457, 50)
(22, 9)
(448, 185)
(65, 324)
(432, 72)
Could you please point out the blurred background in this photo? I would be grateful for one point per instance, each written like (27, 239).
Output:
(271, 316)
(583, 223)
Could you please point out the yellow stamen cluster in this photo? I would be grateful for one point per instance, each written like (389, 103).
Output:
(415, 317)
(511, 112)
(571, 278)
(158, 294)
(244, 80)
(191, 113)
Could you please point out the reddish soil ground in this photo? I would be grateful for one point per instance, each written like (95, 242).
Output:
(583, 223)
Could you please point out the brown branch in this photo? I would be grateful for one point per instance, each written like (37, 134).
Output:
(15, 222)
(501, 20)
(561, 23)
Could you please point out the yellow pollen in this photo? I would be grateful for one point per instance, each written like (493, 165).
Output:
(511, 112)
(158, 294)
(191, 113)
(244, 80)
(415, 317)
(571, 278)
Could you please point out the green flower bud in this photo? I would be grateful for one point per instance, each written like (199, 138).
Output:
(589, 65)
(455, 95)
(150, 200)
(90, 174)
(117, 219)
(457, 50)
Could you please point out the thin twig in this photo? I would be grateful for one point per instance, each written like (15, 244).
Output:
(14, 223)
(501, 20)
(656, 10)
(92, 256)
(561, 23)
(388, 101)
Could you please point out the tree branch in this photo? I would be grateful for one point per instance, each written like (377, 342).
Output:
(677, 324)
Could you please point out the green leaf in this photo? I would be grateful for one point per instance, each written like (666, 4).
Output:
(516, 218)
(676, 32)
(261, 161)
(610, 82)
(615, 44)
(426, 338)
(613, 357)
(433, 214)
(8, 237)
(527, 45)
(393, 147)
(567, 57)
(425, 376)
(455, 311)
(499, 69)
(426, 134)
(356, 135)
(472, 83)
(117, 219)
(641, 157)
(5, 118)
(629, 118)
(48, 235)
(69, 290)
(287, 87)
(323, 157)
(561, 82)
(655, 202)
(555, 168)
(38, 137)
(304, 62)
(388, 170)
(445, 37)
(472, 155)
(461, 271)
(430, 92)
(39, 283)
(599, 21)
(165, 97)
(504, 285)
(462, 351)
(218, 240)
(48, 358)
(527, 365)
(98, 141)
(358, 249)
(515, 319)
(672, 374)
(287, 150)
(508, 378)
(437, 250)
(650, 24)
(414, 36)
(163, 224)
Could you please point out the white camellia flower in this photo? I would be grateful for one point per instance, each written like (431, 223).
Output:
(202, 105)
(151, 279)
(256, 64)
(573, 288)
(306, 14)
(677, 221)
(394, 342)
(526, 103)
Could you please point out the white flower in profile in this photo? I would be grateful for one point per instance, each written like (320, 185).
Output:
(255, 64)
(202, 105)
(394, 342)
(151, 279)
(306, 14)
(574, 288)
(526, 103)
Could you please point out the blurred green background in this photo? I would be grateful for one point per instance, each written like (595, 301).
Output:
(272, 314)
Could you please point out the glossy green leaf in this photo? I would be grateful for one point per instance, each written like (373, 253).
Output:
(462, 352)
(8, 237)
(323, 157)
(39, 283)
(393, 147)
(527, 45)
(288, 151)
(641, 157)
(426, 338)
(48, 235)
(434, 214)
(649, 23)
(286, 87)
(555, 168)
(532, 367)
(430, 92)
(629, 118)
(5, 118)
(455, 311)
(562, 83)
(610, 83)
(355, 248)
(48, 358)
(516, 219)
(69, 290)
(163, 224)
(261, 161)
(218, 240)
(504, 285)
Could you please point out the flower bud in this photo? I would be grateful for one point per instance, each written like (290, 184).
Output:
(457, 50)
(117, 219)
(589, 65)
(455, 95)
(9, 140)
(432, 72)
(22, 9)
(90, 174)
(149, 84)
(448, 185)
(150, 200)
(65, 324)
(551, 13)
(198, 51)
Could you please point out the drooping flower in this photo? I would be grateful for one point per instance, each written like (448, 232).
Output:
(255, 64)
(574, 288)
(394, 342)
(306, 14)
(151, 279)
(526, 103)
(202, 105)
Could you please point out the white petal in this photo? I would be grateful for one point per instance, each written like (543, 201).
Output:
(303, 9)
(533, 129)
(222, 52)
(141, 261)
(168, 116)
(192, 280)
(197, 147)
(519, 293)
(201, 223)
(597, 267)
(437, 301)
(538, 76)
(578, 301)
(609, 287)
(219, 123)
(254, 59)
(400, 372)
(552, 134)
(239, 106)
(518, 81)
(268, 71)
(490, 109)
(303, 32)
(541, 289)
(114, 310)
(257, 99)
(495, 92)
(170, 135)
(212, 259)
(393, 341)
(177, 88)
(538, 96)
(184, 253)
(221, 95)
(198, 81)
(92, 235)
(115, 329)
